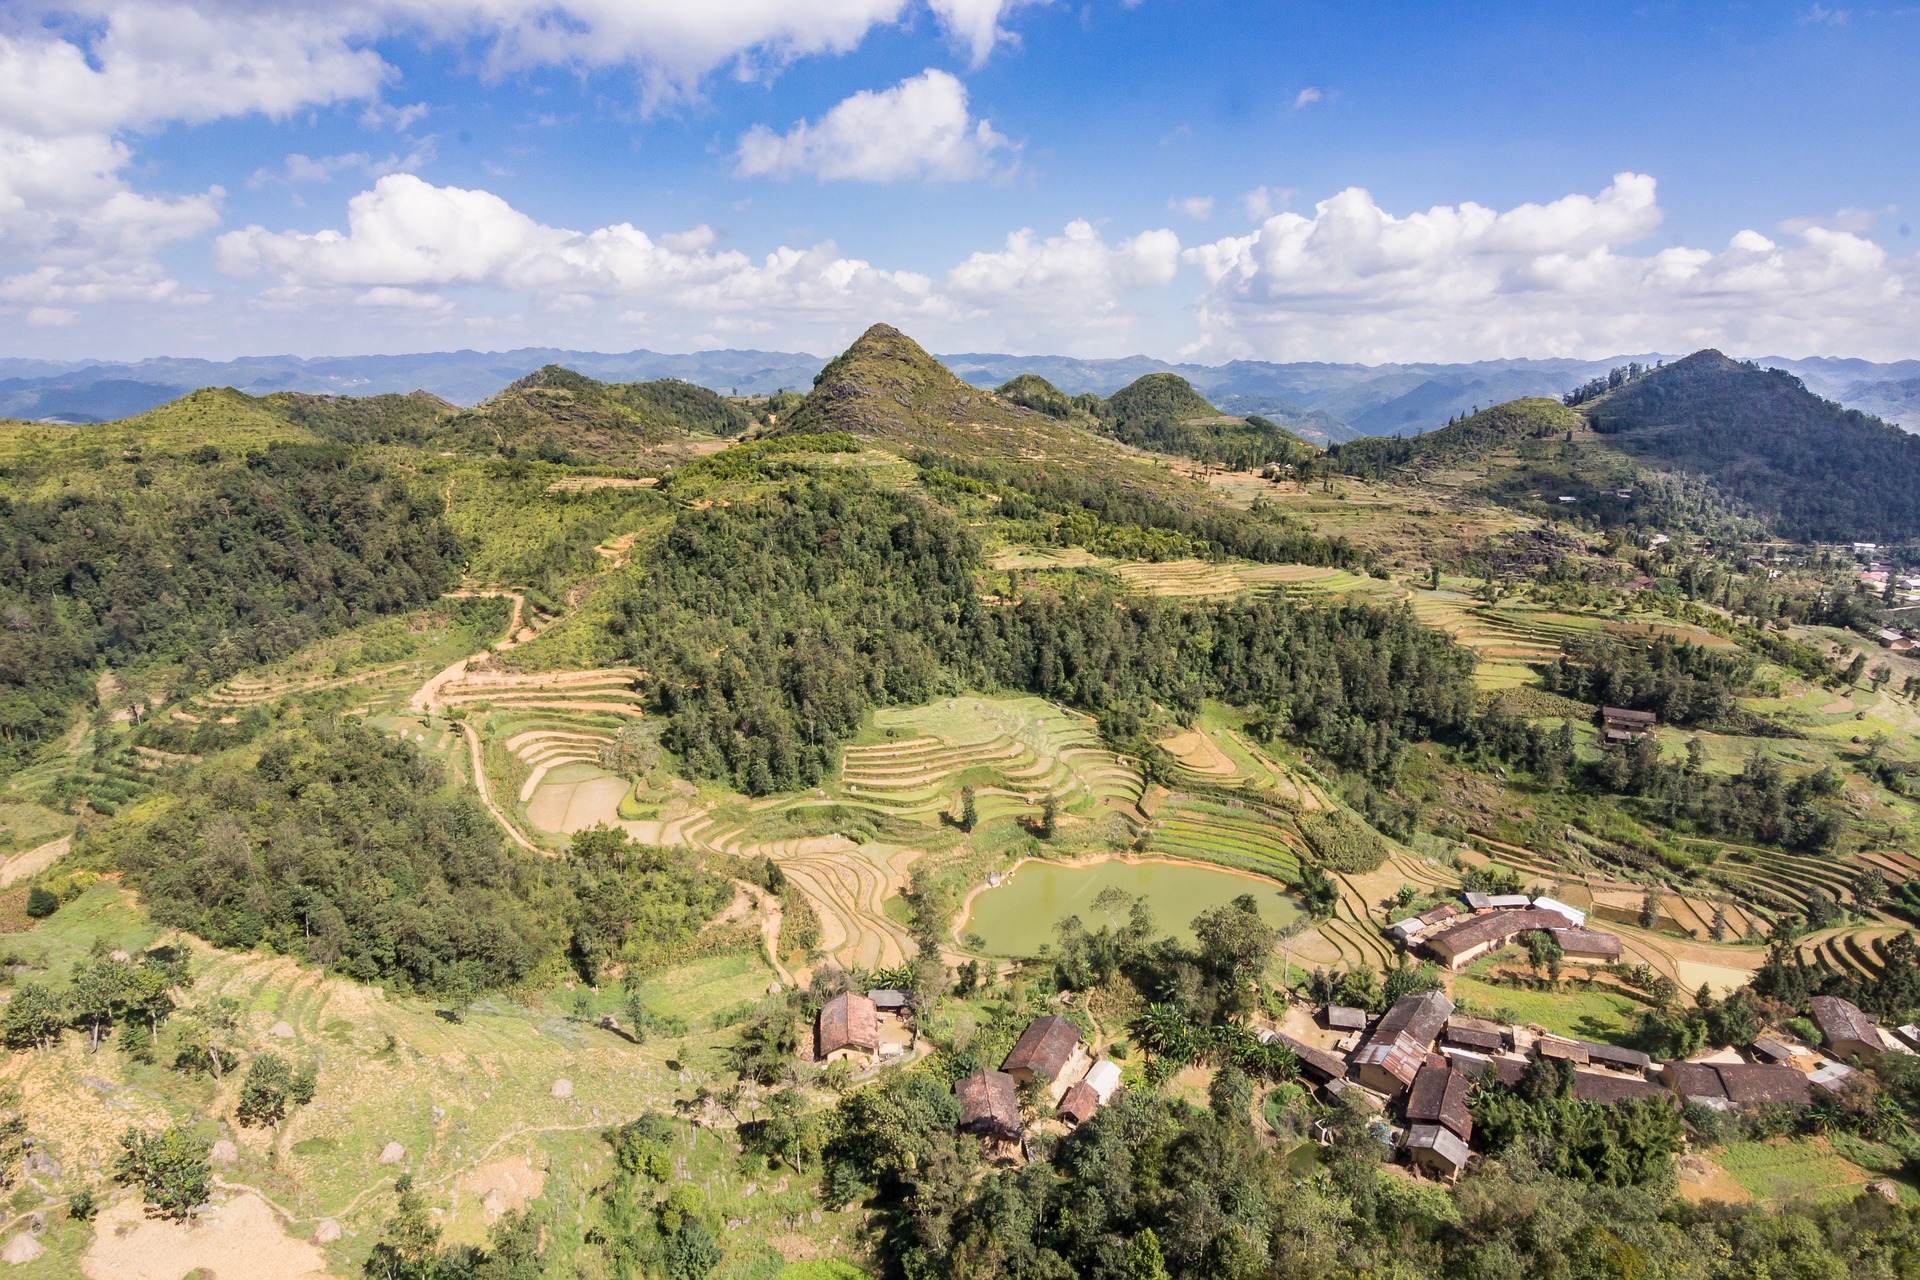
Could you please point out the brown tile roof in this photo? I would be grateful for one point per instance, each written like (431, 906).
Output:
(1044, 1048)
(1570, 1050)
(1345, 1018)
(1842, 1020)
(1614, 1056)
(1696, 1080)
(1431, 1137)
(1596, 1086)
(1474, 1038)
(989, 1104)
(1508, 1071)
(1589, 942)
(847, 1021)
(1495, 926)
(1620, 718)
(1434, 915)
(1080, 1103)
(1439, 1096)
(1318, 1062)
(1749, 1085)
(1417, 1017)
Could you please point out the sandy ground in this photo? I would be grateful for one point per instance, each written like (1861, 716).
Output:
(567, 807)
(240, 1240)
(501, 1187)
(1196, 751)
(34, 861)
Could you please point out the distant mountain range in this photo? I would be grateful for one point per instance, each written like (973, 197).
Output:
(1323, 402)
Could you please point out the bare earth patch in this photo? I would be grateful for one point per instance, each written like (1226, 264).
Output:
(502, 1186)
(240, 1240)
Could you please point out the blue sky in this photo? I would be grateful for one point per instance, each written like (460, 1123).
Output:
(1200, 180)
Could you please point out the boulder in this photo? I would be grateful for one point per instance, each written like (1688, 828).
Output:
(1886, 1190)
(223, 1152)
(281, 1031)
(563, 1088)
(23, 1248)
(327, 1232)
(392, 1153)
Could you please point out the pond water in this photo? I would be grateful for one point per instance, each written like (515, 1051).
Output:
(1015, 919)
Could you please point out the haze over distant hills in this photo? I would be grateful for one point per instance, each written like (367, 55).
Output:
(1319, 401)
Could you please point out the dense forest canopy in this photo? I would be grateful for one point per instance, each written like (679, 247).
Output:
(210, 561)
(1813, 469)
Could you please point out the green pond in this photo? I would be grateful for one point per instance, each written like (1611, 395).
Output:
(1016, 918)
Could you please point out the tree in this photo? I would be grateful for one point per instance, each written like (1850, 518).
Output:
(149, 994)
(265, 1092)
(1718, 929)
(1144, 1259)
(42, 902)
(170, 1167)
(1649, 909)
(34, 1016)
(1049, 816)
(1544, 952)
(1870, 887)
(215, 1020)
(96, 994)
(969, 815)
(409, 1244)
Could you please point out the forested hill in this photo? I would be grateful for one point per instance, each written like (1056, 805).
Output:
(1811, 468)
(1469, 440)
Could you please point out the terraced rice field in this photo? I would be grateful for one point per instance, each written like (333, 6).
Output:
(1231, 835)
(1509, 640)
(1209, 578)
(1014, 752)
(1213, 755)
(1855, 949)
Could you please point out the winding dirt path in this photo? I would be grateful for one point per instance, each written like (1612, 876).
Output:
(486, 794)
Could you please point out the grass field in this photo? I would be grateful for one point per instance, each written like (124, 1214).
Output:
(1579, 1009)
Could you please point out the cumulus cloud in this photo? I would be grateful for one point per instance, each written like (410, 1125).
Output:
(1059, 290)
(920, 128)
(407, 235)
(1199, 208)
(976, 23)
(1353, 281)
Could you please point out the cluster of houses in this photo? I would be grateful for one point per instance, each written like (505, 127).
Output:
(1051, 1049)
(1421, 1058)
(1456, 935)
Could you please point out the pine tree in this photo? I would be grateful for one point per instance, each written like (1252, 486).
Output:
(968, 814)
(1144, 1259)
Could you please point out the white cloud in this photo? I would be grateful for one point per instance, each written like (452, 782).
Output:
(1307, 97)
(299, 168)
(976, 23)
(408, 235)
(1849, 219)
(1057, 292)
(50, 317)
(1355, 282)
(920, 128)
(1199, 208)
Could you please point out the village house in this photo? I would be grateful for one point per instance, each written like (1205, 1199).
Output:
(1325, 1067)
(1576, 917)
(1752, 1085)
(1618, 725)
(1104, 1079)
(1463, 943)
(989, 1105)
(1496, 901)
(1340, 1017)
(1601, 1087)
(1476, 1034)
(1589, 946)
(1436, 1150)
(1050, 1047)
(1439, 1096)
(1079, 1104)
(1397, 1049)
(1616, 1058)
(1553, 1047)
(848, 1030)
(1846, 1028)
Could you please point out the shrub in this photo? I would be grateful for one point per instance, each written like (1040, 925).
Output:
(170, 1167)
(42, 903)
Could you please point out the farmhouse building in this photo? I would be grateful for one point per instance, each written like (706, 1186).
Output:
(1598, 1086)
(1589, 945)
(1575, 916)
(848, 1030)
(989, 1105)
(1848, 1031)
(1749, 1085)
(1463, 943)
(1079, 1105)
(1397, 1049)
(1617, 724)
(1342, 1017)
(1103, 1079)
(1436, 1150)
(1476, 1034)
(1050, 1047)
(1439, 1096)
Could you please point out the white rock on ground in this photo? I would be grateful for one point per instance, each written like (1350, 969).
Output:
(23, 1248)
(281, 1031)
(327, 1232)
(223, 1152)
(563, 1088)
(392, 1153)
